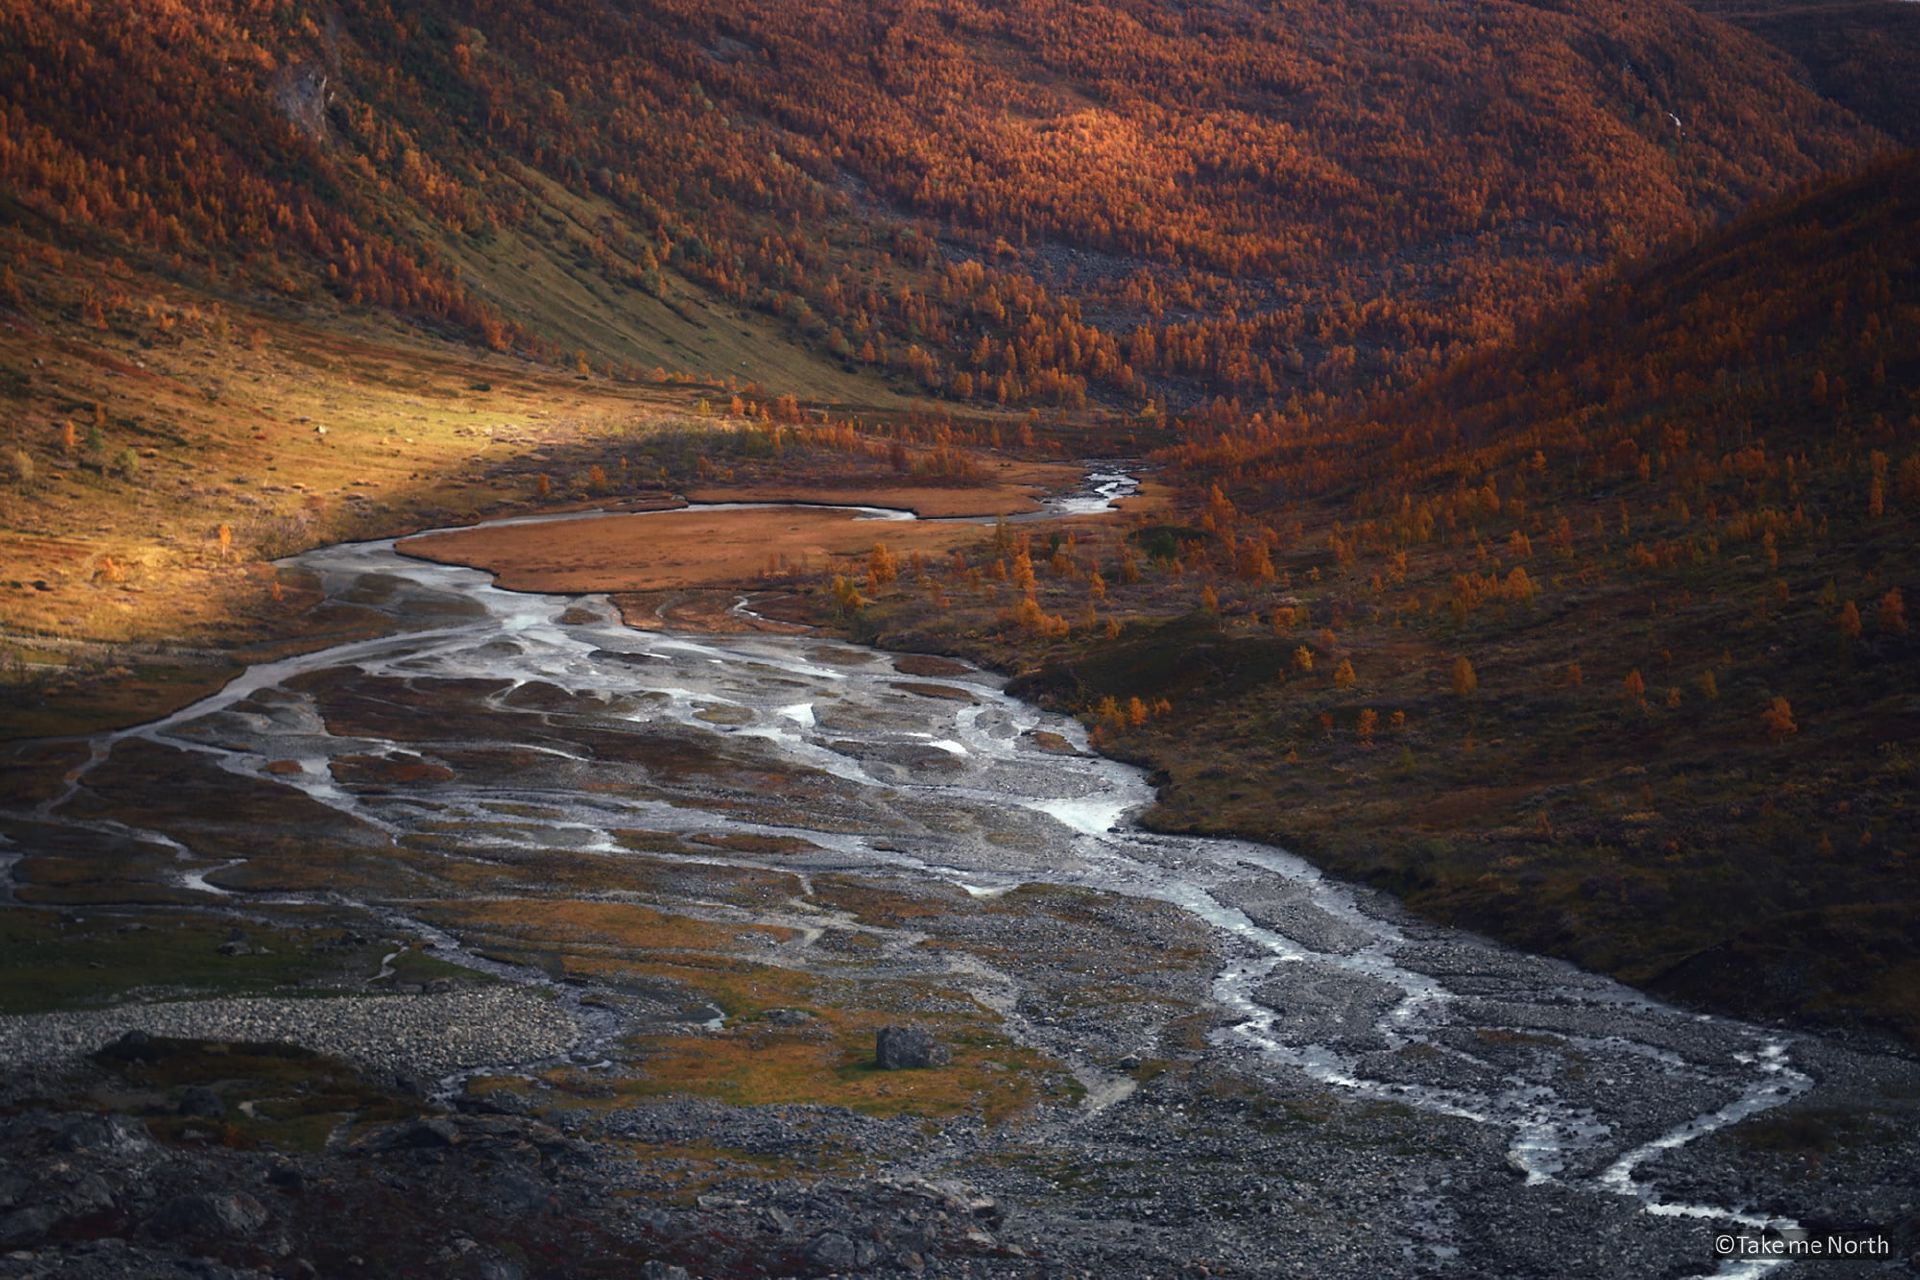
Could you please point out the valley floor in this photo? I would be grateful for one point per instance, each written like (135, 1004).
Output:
(584, 935)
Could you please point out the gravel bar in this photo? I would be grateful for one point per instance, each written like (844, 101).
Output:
(425, 1035)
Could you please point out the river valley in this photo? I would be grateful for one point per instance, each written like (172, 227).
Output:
(657, 891)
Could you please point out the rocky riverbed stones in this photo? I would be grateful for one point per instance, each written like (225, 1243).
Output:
(425, 1035)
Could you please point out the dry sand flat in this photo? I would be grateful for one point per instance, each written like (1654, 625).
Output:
(677, 549)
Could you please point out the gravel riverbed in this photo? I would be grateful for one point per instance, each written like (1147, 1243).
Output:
(427, 1035)
(696, 875)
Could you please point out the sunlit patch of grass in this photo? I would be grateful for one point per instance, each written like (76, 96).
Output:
(292, 434)
(988, 1075)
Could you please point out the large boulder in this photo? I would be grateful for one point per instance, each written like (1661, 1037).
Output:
(834, 1251)
(27, 1226)
(115, 1136)
(434, 1133)
(132, 1046)
(908, 1048)
(234, 1215)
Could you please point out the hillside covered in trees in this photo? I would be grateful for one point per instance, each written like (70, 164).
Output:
(1129, 204)
(1859, 53)
(1600, 641)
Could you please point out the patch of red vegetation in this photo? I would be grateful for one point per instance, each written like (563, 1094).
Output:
(926, 664)
(402, 769)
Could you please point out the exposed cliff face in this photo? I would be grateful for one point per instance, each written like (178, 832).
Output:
(303, 93)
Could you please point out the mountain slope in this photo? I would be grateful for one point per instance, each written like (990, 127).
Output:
(1863, 54)
(1029, 203)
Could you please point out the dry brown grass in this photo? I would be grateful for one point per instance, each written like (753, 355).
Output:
(620, 927)
(828, 1059)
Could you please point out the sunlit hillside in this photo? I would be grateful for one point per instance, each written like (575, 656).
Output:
(1028, 203)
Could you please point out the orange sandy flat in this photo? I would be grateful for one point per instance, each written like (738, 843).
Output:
(1014, 489)
(677, 548)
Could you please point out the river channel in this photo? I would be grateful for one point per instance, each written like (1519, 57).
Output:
(534, 722)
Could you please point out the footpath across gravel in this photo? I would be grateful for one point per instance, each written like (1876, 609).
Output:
(422, 1035)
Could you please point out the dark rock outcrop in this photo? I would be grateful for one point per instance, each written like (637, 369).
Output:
(908, 1048)
(233, 1215)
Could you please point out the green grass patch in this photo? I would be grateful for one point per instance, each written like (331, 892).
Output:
(58, 960)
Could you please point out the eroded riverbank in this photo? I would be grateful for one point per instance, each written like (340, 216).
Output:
(728, 860)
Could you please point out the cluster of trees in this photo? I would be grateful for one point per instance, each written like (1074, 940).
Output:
(1722, 445)
(1860, 55)
(1276, 204)
(1753, 396)
(150, 125)
(1730, 432)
